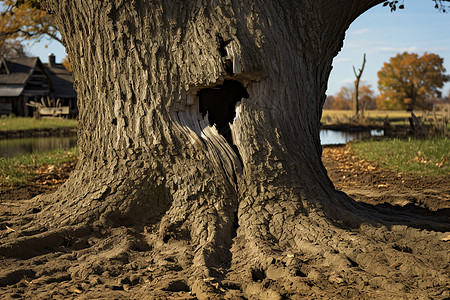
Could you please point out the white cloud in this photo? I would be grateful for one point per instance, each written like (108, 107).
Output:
(346, 81)
(438, 49)
(394, 49)
(341, 59)
(364, 44)
(360, 31)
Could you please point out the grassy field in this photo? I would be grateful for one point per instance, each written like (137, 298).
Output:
(21, 123)
(395, 117)
(421, 157)
(18, 169)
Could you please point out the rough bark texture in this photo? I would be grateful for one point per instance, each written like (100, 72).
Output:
(256, 219)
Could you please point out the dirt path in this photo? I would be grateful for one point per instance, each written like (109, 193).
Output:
(117, 264)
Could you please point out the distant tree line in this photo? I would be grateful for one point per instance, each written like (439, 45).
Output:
(343, 100)
(408, 81)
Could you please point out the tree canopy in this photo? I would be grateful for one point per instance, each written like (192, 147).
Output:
(395, 4)
(410, 81)
(24, 20)
(11, 48)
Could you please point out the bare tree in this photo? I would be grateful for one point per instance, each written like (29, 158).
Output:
(357, 80)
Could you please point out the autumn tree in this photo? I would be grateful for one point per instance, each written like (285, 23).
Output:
(25, 20)
(65, 62)
(367, 98)
(409, 81)
(22, 21)
(200, 161)
(344, 99)
(329, 102)
(11, 48)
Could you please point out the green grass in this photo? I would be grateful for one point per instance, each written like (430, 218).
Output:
(21, 123)
(417, 156)
(20, 168)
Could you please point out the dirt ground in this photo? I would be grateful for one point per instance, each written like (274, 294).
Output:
(115, 271)
(372, 184)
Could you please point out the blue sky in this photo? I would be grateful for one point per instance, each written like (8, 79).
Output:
(379, 33)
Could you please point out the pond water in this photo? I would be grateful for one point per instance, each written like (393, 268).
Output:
(11, 147)
(334, 137)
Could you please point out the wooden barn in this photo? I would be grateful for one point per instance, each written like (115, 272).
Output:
(27, 79)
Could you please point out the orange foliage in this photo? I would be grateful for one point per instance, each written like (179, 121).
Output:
(329, 102)
(367, 100)
(11, 48)
(409, 81)
(65, 62)
(344, 99)
(25, 20)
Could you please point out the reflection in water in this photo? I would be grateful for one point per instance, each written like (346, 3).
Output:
(333, 137)
(11, 147)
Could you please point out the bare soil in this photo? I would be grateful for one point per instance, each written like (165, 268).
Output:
(49, 178)
(370, 183)
(95, 266)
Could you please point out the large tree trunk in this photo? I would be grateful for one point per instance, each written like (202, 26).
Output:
(249, 211)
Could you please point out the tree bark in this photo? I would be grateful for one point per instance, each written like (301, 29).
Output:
(139, 68)
(149, 159)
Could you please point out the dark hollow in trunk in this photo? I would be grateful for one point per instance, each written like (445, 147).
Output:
(219, 103)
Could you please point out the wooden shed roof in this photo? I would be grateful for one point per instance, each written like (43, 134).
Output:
(17, 71)
(14, 74)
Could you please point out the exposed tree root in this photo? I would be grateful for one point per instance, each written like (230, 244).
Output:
(368, 262)
(200, 255)
(217, 243)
